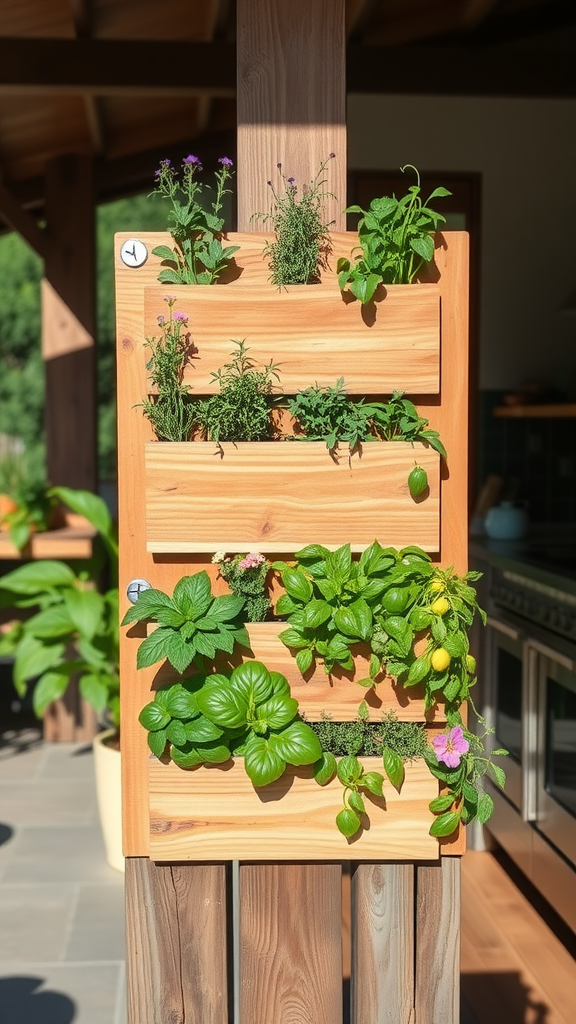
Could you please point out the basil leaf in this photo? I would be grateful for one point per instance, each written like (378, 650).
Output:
(297, 744)
(348, 822)
(445, 824)
(394, 767)
(325, 768)
(153, 717)
(263, 764)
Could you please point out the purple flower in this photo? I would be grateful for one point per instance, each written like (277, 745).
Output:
(164, 166)
(450, 746)
(180, 317)
(161, 320)
(192, 161)
(225, 161)
(290, 180)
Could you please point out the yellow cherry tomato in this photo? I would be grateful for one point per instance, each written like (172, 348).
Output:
(440, 660)
(470, 664)
(436, 586)
(440, 606)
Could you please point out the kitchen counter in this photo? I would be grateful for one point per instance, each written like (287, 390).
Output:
(547, 556)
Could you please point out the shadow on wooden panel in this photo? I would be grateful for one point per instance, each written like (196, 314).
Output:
(500, 997)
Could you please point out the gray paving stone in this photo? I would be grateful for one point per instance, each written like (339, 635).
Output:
(61, 854)
(97, 927)
(35, 921)
(68, 761)
(61, 993)
(48, 802)
(20, 763)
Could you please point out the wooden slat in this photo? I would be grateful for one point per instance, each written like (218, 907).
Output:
(383, 944)
(176, 936)
(437, 998)
(317, 692)
(216, 813)
(290, 944)
(283, 495)
(67, 542)
(313, 335)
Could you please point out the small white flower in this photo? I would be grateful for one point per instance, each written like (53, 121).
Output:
(219, 556)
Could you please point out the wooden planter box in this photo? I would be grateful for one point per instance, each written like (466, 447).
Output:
(215, 813)
(313, 333)
(278, 496)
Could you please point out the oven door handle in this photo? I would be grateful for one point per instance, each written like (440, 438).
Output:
(530, 731)
(504, 627)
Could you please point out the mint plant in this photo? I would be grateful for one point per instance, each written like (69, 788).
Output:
(302, 245)
(169, 411)
(198, 256)
(248, 714)
(192, 624)
(396, 239)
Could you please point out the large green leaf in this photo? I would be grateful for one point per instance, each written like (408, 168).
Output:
(263, 764)
(315, 613)
(277, 712)
(85, 608)
(153, 717)
(37, 577)
(223, 704)
(155, 647)
(297, 744)
(51, 623)
(193, 595)
(33, 658)
(253, 681)
(202, 730)
(348, 622)
(226, 607)
(94, 509)
(445, 824)
(297, 585)
(180, 701)
(94, 689)
(150, 605)
(51, 686)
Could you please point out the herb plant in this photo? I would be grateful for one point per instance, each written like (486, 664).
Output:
(198, 256)
(246, 575)
(192, 624)
(328, 414)
(249, 714)
(241, 409)
(73, 629)
(302, 245)
(363, 738)
(169, 411)
(396, 238)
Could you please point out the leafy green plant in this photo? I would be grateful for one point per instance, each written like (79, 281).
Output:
(398, 420)
(73, 629)
(302, 245)
(248, 714)
(247, 575)
(389, 599)
(198, 256)
(241, 409)
(458, 759)
(192, 624)
(33, 514)
(169, 411)
(396, 238)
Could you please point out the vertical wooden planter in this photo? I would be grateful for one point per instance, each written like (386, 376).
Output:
(181, 502)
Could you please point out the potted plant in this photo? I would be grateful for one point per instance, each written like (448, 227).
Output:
(70, 632)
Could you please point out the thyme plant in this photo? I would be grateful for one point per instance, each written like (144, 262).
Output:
(169, 411)
(302, 245)
(241, 409)
(198, 256)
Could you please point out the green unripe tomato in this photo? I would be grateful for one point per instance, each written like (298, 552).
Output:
(417, 481)
(395, 600)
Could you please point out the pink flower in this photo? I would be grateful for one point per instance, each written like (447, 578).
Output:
(180, 317)
(251, 561)
(450, 746)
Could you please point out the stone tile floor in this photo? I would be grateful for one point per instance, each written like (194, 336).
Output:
(61, 905)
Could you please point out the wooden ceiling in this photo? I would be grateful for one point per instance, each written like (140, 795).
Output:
(128, 81)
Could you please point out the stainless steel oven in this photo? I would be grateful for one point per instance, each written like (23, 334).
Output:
(530, 700)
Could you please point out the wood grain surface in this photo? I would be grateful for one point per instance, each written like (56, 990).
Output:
(290, 944)
(438, 942)
(176, 937)
(215, 813)
(283, 495)
(67, 543)
(382, 973)
(312, 334)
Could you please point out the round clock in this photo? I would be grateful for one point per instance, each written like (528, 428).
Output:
(133, 252)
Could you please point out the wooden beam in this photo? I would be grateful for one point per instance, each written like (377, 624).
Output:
(458, 71)
(16, 218)
(112, 67)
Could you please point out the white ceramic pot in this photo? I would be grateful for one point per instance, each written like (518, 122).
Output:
(109, 796)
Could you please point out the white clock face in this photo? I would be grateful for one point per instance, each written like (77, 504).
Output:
(133, 252)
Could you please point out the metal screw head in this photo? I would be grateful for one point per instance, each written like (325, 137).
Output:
(135, 588)
(133, 252)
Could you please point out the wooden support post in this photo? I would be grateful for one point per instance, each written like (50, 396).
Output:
(290, 944)
(291, 110)
(68, 318)
(437, 998)
(176, 938)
